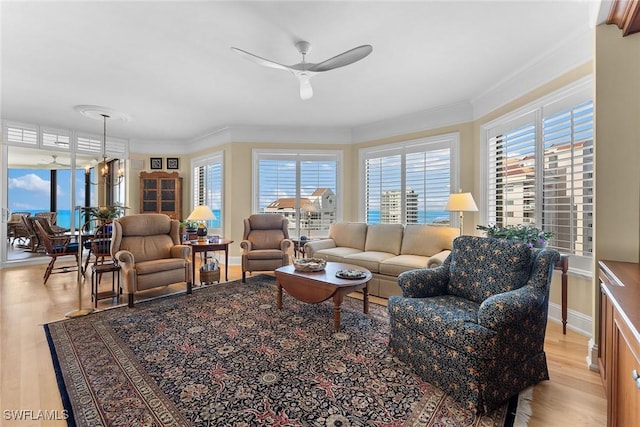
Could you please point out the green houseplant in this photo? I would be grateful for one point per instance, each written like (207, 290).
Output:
(529, 234)
(189, 226)
(106, 213)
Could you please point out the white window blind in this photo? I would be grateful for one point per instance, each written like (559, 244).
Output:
(568, 178)
(410, 182)
(88, 144)
(56, 139)
(20, 134)
(208, 186)
(540, 171)
(63, 140)
(92, 144)
(512, 168)
(318, 185)
(383, 189)
(304, 187)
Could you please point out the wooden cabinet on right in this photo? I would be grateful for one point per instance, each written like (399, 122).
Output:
(619, 346)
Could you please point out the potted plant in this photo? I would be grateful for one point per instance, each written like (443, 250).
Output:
(529, 234)
(189, 226)
(106, 213)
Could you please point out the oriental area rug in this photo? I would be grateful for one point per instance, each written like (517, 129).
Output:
(225, 356)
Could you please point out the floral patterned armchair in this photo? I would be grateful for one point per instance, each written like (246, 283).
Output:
(475, 325)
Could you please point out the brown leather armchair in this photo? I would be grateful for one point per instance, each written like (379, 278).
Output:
(147, 248)
(265, 245)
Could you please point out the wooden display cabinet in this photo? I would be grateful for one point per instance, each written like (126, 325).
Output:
(161, 192)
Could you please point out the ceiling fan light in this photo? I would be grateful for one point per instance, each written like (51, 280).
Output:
(306, 91)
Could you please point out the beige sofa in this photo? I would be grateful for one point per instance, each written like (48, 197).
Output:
(385, 249)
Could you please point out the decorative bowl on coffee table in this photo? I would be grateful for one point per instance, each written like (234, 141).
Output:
(309, 264)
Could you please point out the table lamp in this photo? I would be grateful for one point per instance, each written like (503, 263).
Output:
(201, 214)
(461, 202)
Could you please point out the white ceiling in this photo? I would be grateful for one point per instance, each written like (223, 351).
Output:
(169, 66)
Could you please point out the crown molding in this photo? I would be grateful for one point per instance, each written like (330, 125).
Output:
(414, 122)
(270, 134)
(576, 51)
(625, 14)
(169, 147)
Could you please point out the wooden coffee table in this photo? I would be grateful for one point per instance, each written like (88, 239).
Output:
(320, 286)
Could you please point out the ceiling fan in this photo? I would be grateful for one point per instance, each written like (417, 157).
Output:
(54, 162)
(305, 70)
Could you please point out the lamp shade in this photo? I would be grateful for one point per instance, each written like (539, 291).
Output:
(201, 213)
(461, 202)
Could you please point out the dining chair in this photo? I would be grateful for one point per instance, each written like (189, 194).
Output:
(56, 246)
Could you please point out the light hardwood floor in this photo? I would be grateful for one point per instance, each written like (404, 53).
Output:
(573, 397)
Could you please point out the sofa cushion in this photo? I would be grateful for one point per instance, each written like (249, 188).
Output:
(349, 234)
(384, 238)
(450, 320)
(401, 263)
(370, 260)
(265, 254)
(427, 240)
(160, 265)
(510, 267)
(335, 254)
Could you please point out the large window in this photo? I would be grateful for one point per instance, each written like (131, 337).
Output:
(304, 187)
(39, 156)
(208, 186)
(409, 182)
(539, 169)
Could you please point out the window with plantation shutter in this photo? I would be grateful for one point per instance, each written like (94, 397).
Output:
(539, 170)
(304, 187)
(20, 134)
(567, 208)
(512, 169)
(92, 144)
(384, 189)
(409, 182)
(208, 186)
(55, 139)
(88, 144)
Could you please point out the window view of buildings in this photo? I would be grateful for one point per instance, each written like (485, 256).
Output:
(391, 207)
(566, 199)
(317, 211)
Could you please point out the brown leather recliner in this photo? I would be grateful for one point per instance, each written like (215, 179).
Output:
(148, 250)
(265, 245)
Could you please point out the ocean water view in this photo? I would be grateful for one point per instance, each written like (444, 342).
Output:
(424, 217)
(64, 217)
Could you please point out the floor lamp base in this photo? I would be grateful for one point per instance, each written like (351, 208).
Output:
(79, 312)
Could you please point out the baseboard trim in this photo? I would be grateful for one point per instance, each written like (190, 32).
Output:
(592, 356)
(576, 321)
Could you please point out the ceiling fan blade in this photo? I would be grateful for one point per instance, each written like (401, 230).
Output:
(345, 58)
(259, 60)
(306, 91)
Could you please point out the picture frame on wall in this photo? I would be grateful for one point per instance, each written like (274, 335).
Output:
(155, 162)
(173, 163)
